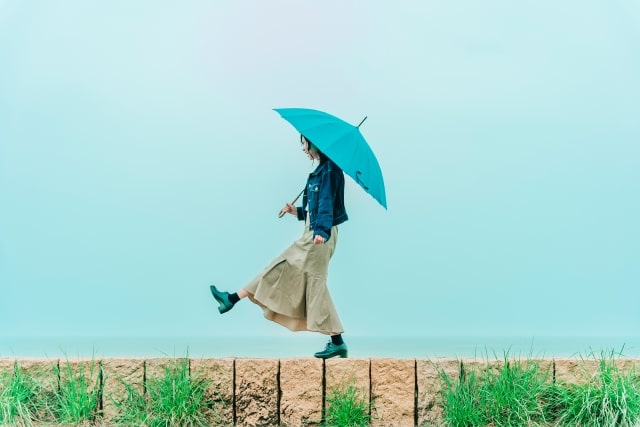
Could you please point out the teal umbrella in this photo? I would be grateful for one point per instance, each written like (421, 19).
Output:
(343, 144)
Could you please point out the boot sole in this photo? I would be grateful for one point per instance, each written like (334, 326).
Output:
(341, 354)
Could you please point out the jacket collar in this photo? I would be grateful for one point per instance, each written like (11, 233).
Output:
(320, 167)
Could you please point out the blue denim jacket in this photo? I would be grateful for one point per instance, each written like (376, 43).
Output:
(324, 194)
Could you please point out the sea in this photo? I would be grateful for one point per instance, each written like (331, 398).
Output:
(305, 344)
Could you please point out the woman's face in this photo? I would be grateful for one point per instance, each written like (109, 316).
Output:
(309, 149)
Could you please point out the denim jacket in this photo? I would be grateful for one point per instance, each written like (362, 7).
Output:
(324, 194)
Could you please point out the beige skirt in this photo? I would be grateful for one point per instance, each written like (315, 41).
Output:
(292, 289)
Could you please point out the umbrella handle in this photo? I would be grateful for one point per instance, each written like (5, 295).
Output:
(282, 212)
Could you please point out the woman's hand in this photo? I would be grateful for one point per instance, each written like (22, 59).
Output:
(289, 208)
(318, 239)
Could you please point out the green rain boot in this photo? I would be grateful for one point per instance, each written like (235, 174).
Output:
(223, 300)
(332, 350)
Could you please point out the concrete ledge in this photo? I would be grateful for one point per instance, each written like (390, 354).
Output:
(292, 392)
(301, 393)
(221, 373)
(428, 381)
(115, 374)
(393, 384)
(257, 392)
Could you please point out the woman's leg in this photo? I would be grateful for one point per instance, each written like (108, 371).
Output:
(242, 293)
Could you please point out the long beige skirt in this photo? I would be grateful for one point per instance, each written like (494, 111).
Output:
(292, 289)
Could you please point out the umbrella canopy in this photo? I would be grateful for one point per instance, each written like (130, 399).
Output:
(343, 144)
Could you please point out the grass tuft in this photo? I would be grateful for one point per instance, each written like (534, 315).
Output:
(460, 399)
(132, 409)
(78, 398)
(511, 394)
(499, 396)
(347, 406)
(518, 393)
(608, 398)
(175, 399)
(19, 403)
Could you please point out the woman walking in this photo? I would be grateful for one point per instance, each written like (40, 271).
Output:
(292, 290)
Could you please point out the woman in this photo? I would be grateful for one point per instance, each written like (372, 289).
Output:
(292, 290)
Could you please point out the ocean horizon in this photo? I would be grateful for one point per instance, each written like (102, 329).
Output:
(305, 344)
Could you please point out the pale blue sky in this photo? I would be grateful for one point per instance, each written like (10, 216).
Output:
(140, 161)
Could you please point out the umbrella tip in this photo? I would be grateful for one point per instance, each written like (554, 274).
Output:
(365, 118)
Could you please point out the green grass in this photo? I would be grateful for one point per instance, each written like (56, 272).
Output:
(502, 395)
(460, 399)
(132, 409)
(608, 398)
(174, 399)
(512, 393)
(79, 394)
(519, 393)
(19, 398)
(347, 406)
